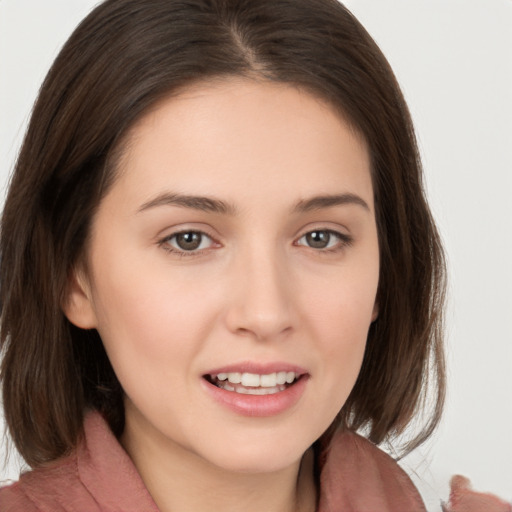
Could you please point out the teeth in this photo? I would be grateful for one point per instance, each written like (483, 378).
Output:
(251, 391)
(263, 391)
(253, 380)
(268, 381)
(281, 378)
(250, 379)
(235, 378)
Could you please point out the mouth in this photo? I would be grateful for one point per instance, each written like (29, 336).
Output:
(254, 383)
(257, 390)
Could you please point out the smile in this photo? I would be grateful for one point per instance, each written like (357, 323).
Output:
(256, 389)
(253, 383)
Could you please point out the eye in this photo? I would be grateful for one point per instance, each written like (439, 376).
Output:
(324, 239)
(187, 241)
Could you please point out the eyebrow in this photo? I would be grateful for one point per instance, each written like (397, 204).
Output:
(205, 204)
(213, 205)
(328, 201)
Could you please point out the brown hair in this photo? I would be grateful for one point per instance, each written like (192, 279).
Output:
(122, 59)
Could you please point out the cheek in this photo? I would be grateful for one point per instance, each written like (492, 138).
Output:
(342, 342)
(343, 306)
(340, 315)
(147, 327)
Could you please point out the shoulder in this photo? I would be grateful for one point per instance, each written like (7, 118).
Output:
(55, 487)
(357, 476)
(14, 499)
(97, 477)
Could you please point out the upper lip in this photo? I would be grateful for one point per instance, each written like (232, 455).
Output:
(258, 368)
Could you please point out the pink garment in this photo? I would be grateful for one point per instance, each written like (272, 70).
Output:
(100, 477)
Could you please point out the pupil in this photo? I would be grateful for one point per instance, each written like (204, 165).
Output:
(318, 239)
(188, 241)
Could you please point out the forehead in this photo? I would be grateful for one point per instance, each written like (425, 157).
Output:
(223, 136)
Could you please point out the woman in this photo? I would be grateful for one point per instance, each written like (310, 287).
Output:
(217, 264)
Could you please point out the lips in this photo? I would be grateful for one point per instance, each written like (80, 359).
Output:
(253, 383)
(257, 390)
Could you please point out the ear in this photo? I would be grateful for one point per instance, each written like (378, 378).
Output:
(78, 304)
(375, 312)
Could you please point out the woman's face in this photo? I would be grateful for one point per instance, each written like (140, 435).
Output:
(232, 272)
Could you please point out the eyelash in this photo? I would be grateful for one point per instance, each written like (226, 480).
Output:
(343, 242)
(165, 243)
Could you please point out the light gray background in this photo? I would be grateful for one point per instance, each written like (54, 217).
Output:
(453, 59)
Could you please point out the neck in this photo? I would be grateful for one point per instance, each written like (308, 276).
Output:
(179, 479)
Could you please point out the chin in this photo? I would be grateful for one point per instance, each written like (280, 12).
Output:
(258, 465)
(258, 455)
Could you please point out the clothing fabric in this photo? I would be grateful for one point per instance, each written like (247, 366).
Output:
(99, 476)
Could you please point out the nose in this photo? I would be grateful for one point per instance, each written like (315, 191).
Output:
(261, 302)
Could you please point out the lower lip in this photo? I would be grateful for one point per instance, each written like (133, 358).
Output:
(258, 405)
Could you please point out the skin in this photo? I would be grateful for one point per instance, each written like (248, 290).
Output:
(256, 290)
(464, 499)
